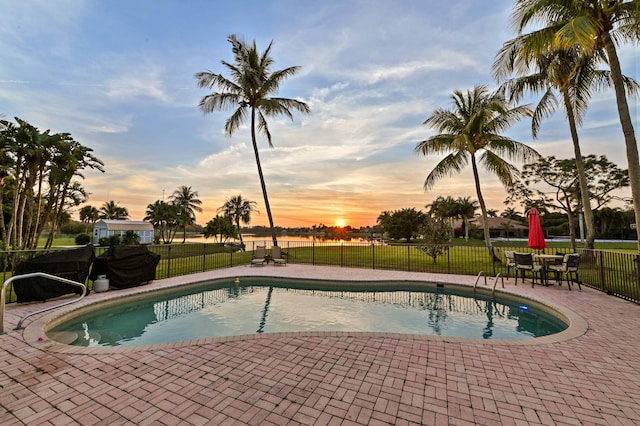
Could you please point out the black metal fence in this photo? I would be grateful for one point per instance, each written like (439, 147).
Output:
(615, 273)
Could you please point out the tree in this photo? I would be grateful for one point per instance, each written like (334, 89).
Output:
(165, 218)
(220, 228)
(187, 203)
(467, 210)
(89, 215)
(472, 128)
(553, 184)
(513, 214)
(595, 27)
(38, 172)
(238, 210)
(444, 208)
(436, 234)
(570, 72)
(404, 223)
(250, 88)
(111, 210)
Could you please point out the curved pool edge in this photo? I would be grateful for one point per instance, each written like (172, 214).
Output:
(35, 333)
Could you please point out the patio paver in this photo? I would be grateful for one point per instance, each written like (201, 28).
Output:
(590, 377)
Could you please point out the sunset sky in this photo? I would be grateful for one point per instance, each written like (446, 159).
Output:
(119, 76)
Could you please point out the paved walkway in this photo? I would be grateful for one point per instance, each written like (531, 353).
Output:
(587, 375)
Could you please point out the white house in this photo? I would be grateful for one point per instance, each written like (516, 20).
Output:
(107, 228)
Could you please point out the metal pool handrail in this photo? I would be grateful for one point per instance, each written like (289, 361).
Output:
(480, 274)
(32, 275)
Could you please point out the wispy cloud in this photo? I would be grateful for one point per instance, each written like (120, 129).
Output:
(119, 77)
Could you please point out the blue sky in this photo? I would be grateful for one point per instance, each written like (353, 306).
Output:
(118, 76)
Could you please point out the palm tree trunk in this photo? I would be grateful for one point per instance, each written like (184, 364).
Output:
(633, 159)
(239, 233)
(483, 208)
(582, 177)
(262, 183)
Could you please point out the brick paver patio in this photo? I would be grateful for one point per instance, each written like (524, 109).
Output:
(587, 375)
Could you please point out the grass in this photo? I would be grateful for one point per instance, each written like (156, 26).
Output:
(612, 270)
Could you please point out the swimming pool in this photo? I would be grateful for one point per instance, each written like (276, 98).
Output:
(254, 305)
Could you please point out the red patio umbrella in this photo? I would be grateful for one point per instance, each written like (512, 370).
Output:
(536, 236)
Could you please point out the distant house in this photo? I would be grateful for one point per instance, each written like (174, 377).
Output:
(107, 228)
(498, 226)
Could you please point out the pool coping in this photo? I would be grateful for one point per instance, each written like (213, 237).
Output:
(35, 332)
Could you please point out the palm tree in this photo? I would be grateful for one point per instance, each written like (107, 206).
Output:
(238, 210)
(188, 203)
(567, 71)
(164, 217)
(467, 210)
(112, 211)
(445, 208)
(595, 26)
(250, 88)
(89, 215)
(472, 129)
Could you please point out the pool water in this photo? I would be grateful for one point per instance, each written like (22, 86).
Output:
(261, 305)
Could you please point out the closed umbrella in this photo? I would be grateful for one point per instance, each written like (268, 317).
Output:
(536, 236)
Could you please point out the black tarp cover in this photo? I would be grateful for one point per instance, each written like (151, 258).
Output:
(73, 264)
(126, 266)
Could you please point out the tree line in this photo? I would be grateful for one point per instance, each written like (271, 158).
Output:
(40, 180)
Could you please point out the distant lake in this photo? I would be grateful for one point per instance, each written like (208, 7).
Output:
(248, 239)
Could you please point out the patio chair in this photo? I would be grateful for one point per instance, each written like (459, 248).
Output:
(524, 262)
(259, 256)
(511, 261)
(277, 257)
(569, 266)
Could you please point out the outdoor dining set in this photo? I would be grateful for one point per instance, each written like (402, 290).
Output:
(540, 265)
(543, 266)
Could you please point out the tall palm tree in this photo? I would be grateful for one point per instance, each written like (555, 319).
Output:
(472, 129)
(112, 210)
(466, 210)
(250, 88)
(238, 210)
(569, 72)
(188, 204)
(595, 26)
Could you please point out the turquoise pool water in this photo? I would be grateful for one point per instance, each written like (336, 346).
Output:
(264, 305)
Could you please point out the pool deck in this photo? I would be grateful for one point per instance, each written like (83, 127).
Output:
(587, 375)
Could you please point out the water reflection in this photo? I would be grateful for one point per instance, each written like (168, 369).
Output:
(243, 308)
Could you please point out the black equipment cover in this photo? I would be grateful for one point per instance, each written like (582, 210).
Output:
(126, 266)
(73, 264)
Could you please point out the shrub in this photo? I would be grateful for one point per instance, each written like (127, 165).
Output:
(131, 238)
(83, 239)
(114, 240)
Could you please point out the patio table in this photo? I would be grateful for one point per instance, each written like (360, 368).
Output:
(545, 260)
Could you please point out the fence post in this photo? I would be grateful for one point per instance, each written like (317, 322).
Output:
(637, 268)
(313, 253)
(169, 261)
(204, 257)
(603, 284)
(373, 255)
(408, 258)
(341, 254)
(231, 259)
